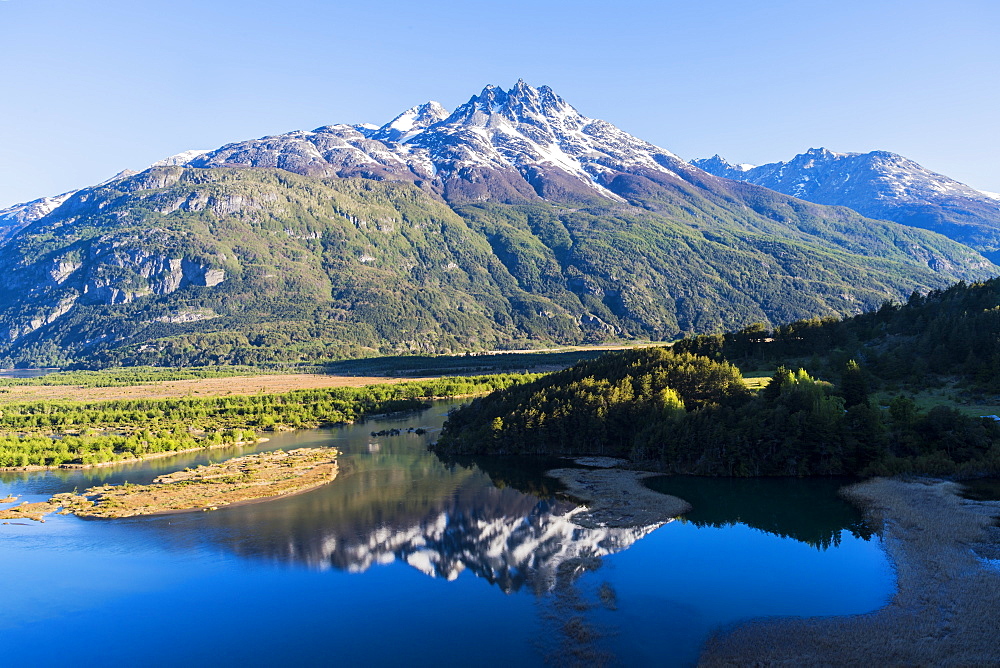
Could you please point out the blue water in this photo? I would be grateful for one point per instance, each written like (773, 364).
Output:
(401, 560)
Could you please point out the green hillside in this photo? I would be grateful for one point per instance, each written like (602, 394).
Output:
(245, 266)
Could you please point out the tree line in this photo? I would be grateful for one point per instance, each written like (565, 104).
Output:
(50, 433)
(951, 334)
(688, 413)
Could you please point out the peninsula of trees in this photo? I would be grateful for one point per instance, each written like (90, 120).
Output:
(688, 410)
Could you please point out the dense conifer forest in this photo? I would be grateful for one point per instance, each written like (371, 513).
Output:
(687, 409)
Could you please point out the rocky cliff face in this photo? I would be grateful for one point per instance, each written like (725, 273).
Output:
(105, 272)
(76, 255)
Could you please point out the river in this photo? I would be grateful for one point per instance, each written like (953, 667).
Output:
(406, 560)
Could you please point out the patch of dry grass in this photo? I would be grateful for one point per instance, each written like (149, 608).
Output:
(756, 383)
(944, 613)
(201, 387)
(954, 397)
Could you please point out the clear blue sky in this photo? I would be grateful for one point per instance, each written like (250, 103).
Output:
(91, 87)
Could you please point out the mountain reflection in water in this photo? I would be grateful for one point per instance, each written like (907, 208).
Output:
(270, 576)
(401, 503)
(412, 508)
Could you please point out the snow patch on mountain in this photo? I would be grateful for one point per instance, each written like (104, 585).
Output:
(36, 208)
(181, 158)
(514, 141)
(18, 216)
(880, 184)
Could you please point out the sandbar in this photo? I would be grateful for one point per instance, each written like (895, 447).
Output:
(947, 607)
(617, 498)
(240, 480)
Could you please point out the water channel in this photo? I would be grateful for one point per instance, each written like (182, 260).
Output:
(406, 560)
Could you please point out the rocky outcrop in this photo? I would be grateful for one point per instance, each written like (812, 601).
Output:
(144, 274)
(108, 271)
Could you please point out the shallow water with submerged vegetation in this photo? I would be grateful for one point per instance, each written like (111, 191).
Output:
(404, 559)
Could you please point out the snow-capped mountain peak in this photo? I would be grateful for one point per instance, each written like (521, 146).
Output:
(521, 104)
(411, 122)
(717, 164)
(879, 184)
(506, 145)
(819, 173)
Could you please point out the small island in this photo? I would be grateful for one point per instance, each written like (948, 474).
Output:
(236, 481)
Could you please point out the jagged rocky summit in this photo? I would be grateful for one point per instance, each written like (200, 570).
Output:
(511, 221)
(521, 145)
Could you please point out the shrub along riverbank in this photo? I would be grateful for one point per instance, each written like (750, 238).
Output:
(44, 433)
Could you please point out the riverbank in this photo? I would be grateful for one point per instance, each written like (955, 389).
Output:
(134, 460)
(945, 610)
(616, 497)
(54, 433)
(236, 481)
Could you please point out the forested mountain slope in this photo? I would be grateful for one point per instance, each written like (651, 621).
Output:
(945, 335)
(514, 221)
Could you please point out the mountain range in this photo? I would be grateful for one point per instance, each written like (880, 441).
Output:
(882, 185)
(511, 221)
